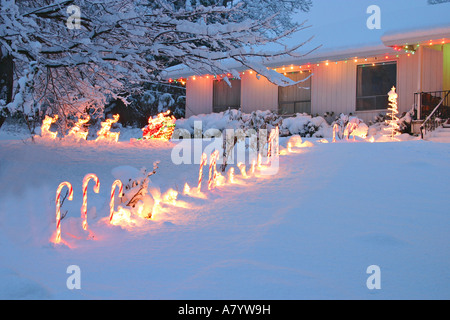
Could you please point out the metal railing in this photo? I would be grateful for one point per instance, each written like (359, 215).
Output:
(426, 102)
(436, 116)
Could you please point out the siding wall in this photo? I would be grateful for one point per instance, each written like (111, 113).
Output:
(258, 94)
(334, 88)
(199, 96)
(433, 69)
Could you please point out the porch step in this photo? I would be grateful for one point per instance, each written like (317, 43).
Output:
(443, 132)
(446, 124)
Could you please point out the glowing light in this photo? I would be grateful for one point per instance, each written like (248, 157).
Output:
(105, 134)
(161, 127)
(170, 197)
(86, 180)
(77, 130)
(58, 207)
(115, 184)
(186, 189)
(123, 217)
(372, 139)
(45, 128)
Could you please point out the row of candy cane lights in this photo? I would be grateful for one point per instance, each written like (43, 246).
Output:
(212, 180)
(86, 180)
(212, 183)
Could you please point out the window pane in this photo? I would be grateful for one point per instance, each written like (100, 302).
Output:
(373, 85)
(296, 98)
(226, 97)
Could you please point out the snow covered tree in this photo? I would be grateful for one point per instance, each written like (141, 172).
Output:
(116, 45)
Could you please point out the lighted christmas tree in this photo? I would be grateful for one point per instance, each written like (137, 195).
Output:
(392, 122)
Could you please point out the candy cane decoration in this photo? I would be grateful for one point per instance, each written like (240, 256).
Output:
(115, 184)
(212, 169)
(252, 169)
(351, 127)
(86, 180)
(273, 134)
(241, 167)
(58, 207)
(269, 147)
(231, 175)
(335, 130)
(200, 173)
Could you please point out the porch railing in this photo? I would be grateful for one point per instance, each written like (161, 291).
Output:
(434, 107)
(426, 102)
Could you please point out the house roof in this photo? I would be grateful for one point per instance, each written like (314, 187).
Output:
(340, 31)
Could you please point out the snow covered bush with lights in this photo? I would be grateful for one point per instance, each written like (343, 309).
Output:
(350, 125)
(137, 200)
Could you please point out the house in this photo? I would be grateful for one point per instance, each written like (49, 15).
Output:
(351, 73)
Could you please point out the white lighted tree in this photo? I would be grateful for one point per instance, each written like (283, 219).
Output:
(392, 122)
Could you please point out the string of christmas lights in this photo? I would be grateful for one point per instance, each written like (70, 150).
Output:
(407, 49)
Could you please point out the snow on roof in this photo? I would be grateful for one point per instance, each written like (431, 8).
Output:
(340, 31)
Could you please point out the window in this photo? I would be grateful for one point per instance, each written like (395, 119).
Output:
(297, 98)
(226, 97)
(373, 84)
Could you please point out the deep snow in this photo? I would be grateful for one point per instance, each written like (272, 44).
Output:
(309, 232)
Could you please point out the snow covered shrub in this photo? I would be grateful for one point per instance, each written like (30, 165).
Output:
(404, 123)
(305, 126)
(230, 119)
(136, 190)
(261, 120)
(329, 117)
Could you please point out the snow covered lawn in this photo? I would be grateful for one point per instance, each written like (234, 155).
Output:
(309, 232)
